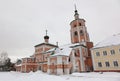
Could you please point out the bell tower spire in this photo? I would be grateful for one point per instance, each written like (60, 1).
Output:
(75, 6)
(76, 12)
(46, 32)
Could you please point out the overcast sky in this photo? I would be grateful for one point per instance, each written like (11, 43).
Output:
(23, 22)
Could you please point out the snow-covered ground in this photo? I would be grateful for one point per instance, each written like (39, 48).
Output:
(39, 76)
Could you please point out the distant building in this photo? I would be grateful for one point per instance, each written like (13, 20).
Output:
(26, 65)
(29, 64)
(106, 55)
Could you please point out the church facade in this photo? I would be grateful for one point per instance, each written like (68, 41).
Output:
(66, 59)
(75, 57)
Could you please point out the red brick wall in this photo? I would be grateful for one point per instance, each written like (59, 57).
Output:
(29, 67)
(89, 45)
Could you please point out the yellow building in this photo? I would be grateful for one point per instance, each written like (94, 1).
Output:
(106, 55)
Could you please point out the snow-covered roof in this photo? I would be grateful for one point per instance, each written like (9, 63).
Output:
(53, 49)
(64, 50)
(48, 44)
(18, 65)
(110, 41)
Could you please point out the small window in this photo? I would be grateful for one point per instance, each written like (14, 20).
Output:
(97, 54)
(75, 33)
(112, 51)
(74, 25)
(115, 63)
(76, 55)
(107, 64)
(81, 32)
(79, 24)
(104, 53)
(69, 59)
(99, 64)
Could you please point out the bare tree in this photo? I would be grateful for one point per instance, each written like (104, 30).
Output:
(3, 58)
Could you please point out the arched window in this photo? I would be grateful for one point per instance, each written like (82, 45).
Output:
(75, 54)
(74, 25)
(69, 59)
(80, 24)
(75, 33)
(81, 32)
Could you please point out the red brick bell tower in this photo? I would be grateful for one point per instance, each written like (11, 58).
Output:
(80, 35)
(78, 30)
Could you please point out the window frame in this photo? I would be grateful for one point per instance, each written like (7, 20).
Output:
(97, 53)
(81, 32)
(75, 25)
(115, 63)
(104, 53)
(99, 64)
(107, 64)
(112, 52)
(75, 33)
(80, 24)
